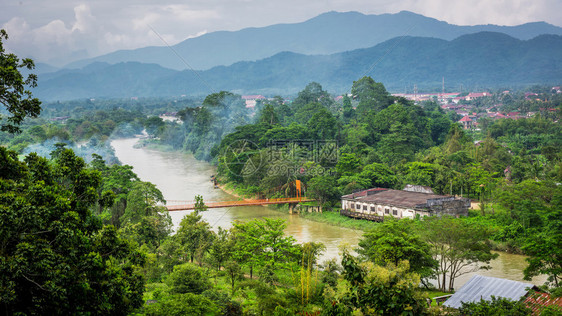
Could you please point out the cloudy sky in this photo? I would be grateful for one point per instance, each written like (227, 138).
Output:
(61, 31)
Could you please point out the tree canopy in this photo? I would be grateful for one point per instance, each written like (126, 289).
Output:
(55, 256)
(13, 94)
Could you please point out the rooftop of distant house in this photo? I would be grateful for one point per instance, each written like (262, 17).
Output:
(405, 198)
(484, 287)
(253, 97)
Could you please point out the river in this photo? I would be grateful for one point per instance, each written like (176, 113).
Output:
(181, 177)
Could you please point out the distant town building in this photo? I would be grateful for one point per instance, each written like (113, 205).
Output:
(467, 122)
(60, 118)
(251, 100)
(474, 95)
(407, 203)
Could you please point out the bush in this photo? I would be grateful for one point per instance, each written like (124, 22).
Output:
(188, 278)
(183, 304)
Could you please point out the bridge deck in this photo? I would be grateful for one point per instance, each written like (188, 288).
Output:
(191, 206)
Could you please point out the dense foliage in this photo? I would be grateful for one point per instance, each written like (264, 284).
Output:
(92, 238)
(18, 101)
(56, 257)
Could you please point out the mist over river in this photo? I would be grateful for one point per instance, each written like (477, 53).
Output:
(181, 177)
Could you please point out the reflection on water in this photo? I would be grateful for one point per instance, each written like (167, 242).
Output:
(181, 177)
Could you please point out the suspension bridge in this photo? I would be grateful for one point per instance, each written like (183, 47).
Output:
(178, 205)
(190, 205)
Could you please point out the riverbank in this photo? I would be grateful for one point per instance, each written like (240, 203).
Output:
(332, 218)
(227, 188)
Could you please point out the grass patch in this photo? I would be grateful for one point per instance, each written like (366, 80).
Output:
(156, 145)
(335, 219)
(434, 293)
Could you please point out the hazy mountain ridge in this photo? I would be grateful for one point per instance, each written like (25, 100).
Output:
(328, 33)
(485, 59)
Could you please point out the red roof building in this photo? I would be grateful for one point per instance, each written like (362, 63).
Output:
(538, 301)
(467, 122)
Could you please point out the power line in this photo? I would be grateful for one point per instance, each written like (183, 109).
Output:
(386, 53)
(182, 59)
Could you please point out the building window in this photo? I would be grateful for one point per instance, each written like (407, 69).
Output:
(352, 205)
(358, 206)
(386, 211)
(364, 207)
(373, 209)
(394, 212)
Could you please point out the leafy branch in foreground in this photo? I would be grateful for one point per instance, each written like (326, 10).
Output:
(13, 95)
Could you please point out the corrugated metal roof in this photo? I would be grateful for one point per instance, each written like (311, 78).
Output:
(483, 287)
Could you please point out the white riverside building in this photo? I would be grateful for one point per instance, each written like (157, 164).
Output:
(408, 203)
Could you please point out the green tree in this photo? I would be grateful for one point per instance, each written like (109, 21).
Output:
(545, 251)
(379, 174)
(247, 245)
(323, 125)
(188, 278)
(221, 248)
(233, 273)
(348, 111)
(142, 201)
(13, 94)
(194, 234)
(278, 249)
(154, 125)
(457, 245)
(419, 173)
(376, 290)
(372, 96)
(323, 189)
(55, 256)
(262, 243)
(312, 93)
(348, 164)
(143, 220)
(348, 184)
(395, 241)
(267, 115)
(119, 180)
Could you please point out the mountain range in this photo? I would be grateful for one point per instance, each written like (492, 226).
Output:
(328, 33)
(484, 59)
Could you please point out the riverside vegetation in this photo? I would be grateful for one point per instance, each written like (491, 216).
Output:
(90, 237)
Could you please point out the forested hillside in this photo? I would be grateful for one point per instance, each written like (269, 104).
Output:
(328, 33)
(474, 61)
(88, 236)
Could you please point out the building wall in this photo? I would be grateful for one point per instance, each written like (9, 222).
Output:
(438, 207)
(381, 210)
(453, 208)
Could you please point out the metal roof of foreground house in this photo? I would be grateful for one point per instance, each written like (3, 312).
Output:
(483, 287)
(402, 198)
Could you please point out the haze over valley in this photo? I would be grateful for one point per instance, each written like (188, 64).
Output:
(280, 157)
